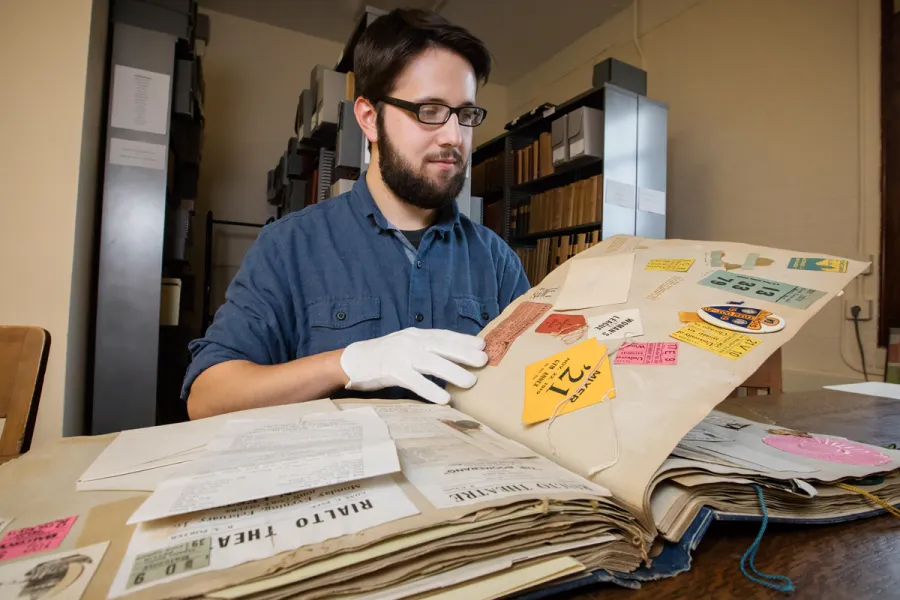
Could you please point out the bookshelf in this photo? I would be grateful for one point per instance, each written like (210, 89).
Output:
(630, 176)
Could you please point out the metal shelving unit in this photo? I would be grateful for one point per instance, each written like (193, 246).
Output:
(633, 163)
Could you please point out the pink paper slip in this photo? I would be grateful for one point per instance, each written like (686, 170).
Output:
(39, 538)
(823, 448)
(652, 353)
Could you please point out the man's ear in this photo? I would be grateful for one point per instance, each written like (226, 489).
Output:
(366, 116)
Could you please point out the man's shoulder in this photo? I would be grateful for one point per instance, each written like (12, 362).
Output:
(483, 234)
(309, 220)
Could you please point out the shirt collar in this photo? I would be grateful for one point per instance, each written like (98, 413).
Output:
(447, 220)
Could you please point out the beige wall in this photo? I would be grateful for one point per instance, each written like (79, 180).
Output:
(48, 169)
(254, 74)
(774, 134)
(494, 99)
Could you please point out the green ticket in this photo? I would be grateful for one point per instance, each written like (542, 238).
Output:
(827, 265)
(159, 564)
(785, 294)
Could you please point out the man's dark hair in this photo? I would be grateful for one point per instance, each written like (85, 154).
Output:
(392, 41)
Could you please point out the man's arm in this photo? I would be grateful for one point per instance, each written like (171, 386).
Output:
(402, 358)
(240, 385)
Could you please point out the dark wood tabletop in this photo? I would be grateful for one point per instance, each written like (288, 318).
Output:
(859, 559)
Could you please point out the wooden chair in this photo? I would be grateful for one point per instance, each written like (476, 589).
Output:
(766, 381)
(23, 360)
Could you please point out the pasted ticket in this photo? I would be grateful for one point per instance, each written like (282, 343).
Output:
(498, 341)
(567, 381)
(763, 289)
(679, 265)
(730, 344)
(39, 538)
(159, 564)
(827, 265)
(652, 353)
(665, 286)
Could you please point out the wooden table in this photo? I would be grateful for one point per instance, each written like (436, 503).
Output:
(858, 560)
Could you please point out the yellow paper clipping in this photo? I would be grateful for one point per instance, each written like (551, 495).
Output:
(571, 376)
(679, 265)
(723, 342)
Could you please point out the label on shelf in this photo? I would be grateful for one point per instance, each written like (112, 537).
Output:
(651, 201)
(619, 194)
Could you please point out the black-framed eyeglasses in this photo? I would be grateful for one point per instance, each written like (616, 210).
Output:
(435, 113)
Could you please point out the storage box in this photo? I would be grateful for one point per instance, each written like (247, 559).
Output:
(328, 87)
(584, 131)
(620, 74)
(170, 301)
(559, 141)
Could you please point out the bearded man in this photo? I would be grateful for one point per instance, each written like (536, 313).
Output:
(380, 291)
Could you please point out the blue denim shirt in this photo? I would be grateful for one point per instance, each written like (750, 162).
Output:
(338, 272)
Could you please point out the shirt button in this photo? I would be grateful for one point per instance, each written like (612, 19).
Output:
(418, 264)
(341, 315)
(420, 317)
(485, 316)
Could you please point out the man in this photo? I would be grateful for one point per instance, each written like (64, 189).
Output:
(384, 287)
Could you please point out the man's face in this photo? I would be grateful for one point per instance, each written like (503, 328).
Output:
(425, 165)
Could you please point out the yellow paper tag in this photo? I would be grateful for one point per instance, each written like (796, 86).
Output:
(689, 317)
(723, 342)
(571, 377)
(669, 264)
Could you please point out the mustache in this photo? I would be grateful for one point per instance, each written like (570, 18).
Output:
(446, 154)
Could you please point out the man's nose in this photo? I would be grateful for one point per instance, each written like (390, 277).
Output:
(449, 134)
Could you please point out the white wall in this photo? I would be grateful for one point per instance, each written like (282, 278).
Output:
(50, 131)
(774, 134)
(254, 74)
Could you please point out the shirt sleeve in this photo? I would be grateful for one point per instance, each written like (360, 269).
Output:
(256, 322)
(513, 281)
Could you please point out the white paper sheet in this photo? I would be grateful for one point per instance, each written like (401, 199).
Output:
(140, 100)
(583, 289)
(651, 201)
(870, 388)
(252, 459)
(616, 325)
(260, 529)
(59, 575)
(619, 194)
(478, 569)
(464, 483)
(139, 459)
(129, 153)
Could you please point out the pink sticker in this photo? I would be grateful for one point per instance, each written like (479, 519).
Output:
(652, 353)
(39, 538)
(822, 448)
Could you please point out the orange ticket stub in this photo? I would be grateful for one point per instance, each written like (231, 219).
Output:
(499, 340)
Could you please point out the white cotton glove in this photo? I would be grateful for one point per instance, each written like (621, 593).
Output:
(404, 357)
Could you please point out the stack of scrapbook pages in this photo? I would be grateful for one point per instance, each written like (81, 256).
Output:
(587, 438)
(805, 477)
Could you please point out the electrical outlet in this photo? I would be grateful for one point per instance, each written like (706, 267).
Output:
(866, 307)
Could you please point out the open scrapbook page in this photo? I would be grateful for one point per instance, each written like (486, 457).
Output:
(589, 443)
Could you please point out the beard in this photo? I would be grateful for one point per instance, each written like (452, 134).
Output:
(414, 186)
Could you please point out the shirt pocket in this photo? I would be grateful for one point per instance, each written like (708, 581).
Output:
(473, 314)
(337, 323)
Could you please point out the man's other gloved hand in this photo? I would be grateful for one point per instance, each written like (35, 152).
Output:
(404, 357)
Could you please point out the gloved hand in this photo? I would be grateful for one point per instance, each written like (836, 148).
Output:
(404, 357)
